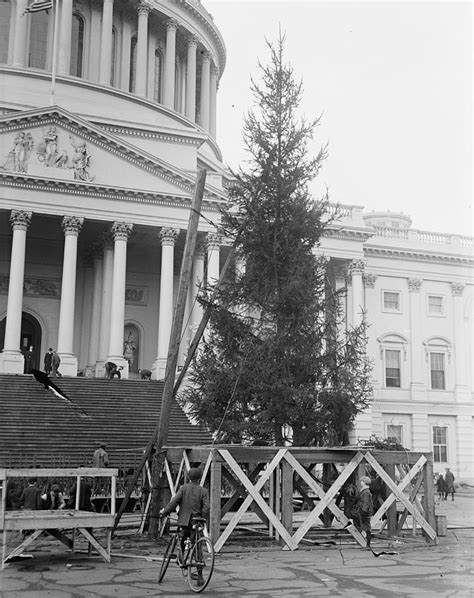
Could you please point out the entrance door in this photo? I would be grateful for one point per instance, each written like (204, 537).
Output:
(30, 337)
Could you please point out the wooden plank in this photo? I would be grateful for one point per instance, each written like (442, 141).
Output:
(56, 519)
(206, 468)
(287, 496)
(326, 498)
(240, 490)
(215, 499)
(414, 471)
(413, 492)
(428, 495)
(61, 536)
(91, 539)
(67, 472)
(391, 484)
(19, 549)
(392, 508)
(254, 494)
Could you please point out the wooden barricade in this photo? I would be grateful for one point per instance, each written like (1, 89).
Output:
(57, 523)
(280, 472)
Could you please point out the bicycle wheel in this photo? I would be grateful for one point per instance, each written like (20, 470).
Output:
(200, 565)
(170, 549)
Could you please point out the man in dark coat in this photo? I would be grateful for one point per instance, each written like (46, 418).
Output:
(364, 509)
(48, 361)
(448, 484)
(31, 496)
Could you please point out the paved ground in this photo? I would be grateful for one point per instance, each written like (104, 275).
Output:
(445, 570)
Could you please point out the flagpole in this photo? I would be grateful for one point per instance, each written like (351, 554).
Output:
(55, 38)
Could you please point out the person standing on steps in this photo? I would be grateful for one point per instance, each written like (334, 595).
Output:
(48, 361)
(55, 362)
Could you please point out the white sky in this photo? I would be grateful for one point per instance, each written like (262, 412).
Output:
(394, 83)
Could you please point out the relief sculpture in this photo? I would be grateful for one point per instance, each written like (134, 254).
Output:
(17, 159)
(49, 154)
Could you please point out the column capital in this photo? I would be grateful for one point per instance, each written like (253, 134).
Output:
(193, 40)
(20, 220)
(414, 285)
(356, 267)
(369, 280)
(213, 240)
(72, 225)
(121, 231)
(171, 24)
(457, 289)
(168, 236)
(206, 56)
(143, 8)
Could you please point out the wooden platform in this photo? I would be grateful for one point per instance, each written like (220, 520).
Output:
(61, 524)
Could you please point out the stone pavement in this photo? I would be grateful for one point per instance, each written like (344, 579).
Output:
(345, 570)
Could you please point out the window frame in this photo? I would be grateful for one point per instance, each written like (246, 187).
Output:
(433, 371)
(389, 309)
(443, 346)
(435, 314)
(385, 368)
(398, 440)
(439, 445)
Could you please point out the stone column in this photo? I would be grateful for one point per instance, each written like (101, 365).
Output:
(121, 232)
(11, 35)
(142, 49)
(93, 352)
(106, 42)
(168, 238)
(213, 101)
(213, 253)
(357, 269)
(205, 90)
(170, 64)
(461, 387)
(71, 227)
(64, 49)
(418, 369)
(12, 357)
(21, 29)
(191, 79)
(105, 303)
(125, 60)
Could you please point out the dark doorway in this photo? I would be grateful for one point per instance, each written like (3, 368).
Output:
(30, 337)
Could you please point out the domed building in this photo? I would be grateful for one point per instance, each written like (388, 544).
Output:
(97, 173)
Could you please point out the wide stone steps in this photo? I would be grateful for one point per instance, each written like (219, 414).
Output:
(39, 428)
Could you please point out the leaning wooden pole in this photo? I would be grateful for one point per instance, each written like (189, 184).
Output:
(173, 351)
(160, 434)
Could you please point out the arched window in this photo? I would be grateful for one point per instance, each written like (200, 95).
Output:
(133, 64)
(438, 357)
(38, 49)
(77, 45)
(5, 13)
(158, 75)
(393, 351)
(113, 60)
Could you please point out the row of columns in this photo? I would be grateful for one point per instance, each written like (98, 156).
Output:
(107, 313)
(206, 117)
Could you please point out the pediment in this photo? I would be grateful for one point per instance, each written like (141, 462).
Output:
(53, 144)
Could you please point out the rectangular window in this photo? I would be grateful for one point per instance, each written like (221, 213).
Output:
(440, 444)
(395, 433)
(437, 371)
(392, 368)
(391, 301)
(435, 304)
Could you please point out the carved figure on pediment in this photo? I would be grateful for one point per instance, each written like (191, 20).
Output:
(48, 151)
(81, 160)
(17, 159)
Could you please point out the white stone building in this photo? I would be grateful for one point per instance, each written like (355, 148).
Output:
(95, 189)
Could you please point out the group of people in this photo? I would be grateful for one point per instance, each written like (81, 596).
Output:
(445, 485)
(51, 496)
(52, 362)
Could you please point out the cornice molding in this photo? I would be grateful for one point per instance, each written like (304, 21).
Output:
(169, 137)
(100, 191)
(348, 234)
(418, 255)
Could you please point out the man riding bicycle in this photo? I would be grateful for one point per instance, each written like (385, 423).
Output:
(193, 501)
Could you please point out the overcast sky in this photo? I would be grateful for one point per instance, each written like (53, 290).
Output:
(394, 83)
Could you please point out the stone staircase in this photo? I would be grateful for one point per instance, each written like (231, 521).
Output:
(37, 428)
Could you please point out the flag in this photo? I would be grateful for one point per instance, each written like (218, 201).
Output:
(39, 5)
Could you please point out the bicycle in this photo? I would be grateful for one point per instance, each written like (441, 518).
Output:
(197, 561)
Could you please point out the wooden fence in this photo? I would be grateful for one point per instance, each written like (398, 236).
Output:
(268, 479)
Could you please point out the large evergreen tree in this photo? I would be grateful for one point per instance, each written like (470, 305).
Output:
(274, 359)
